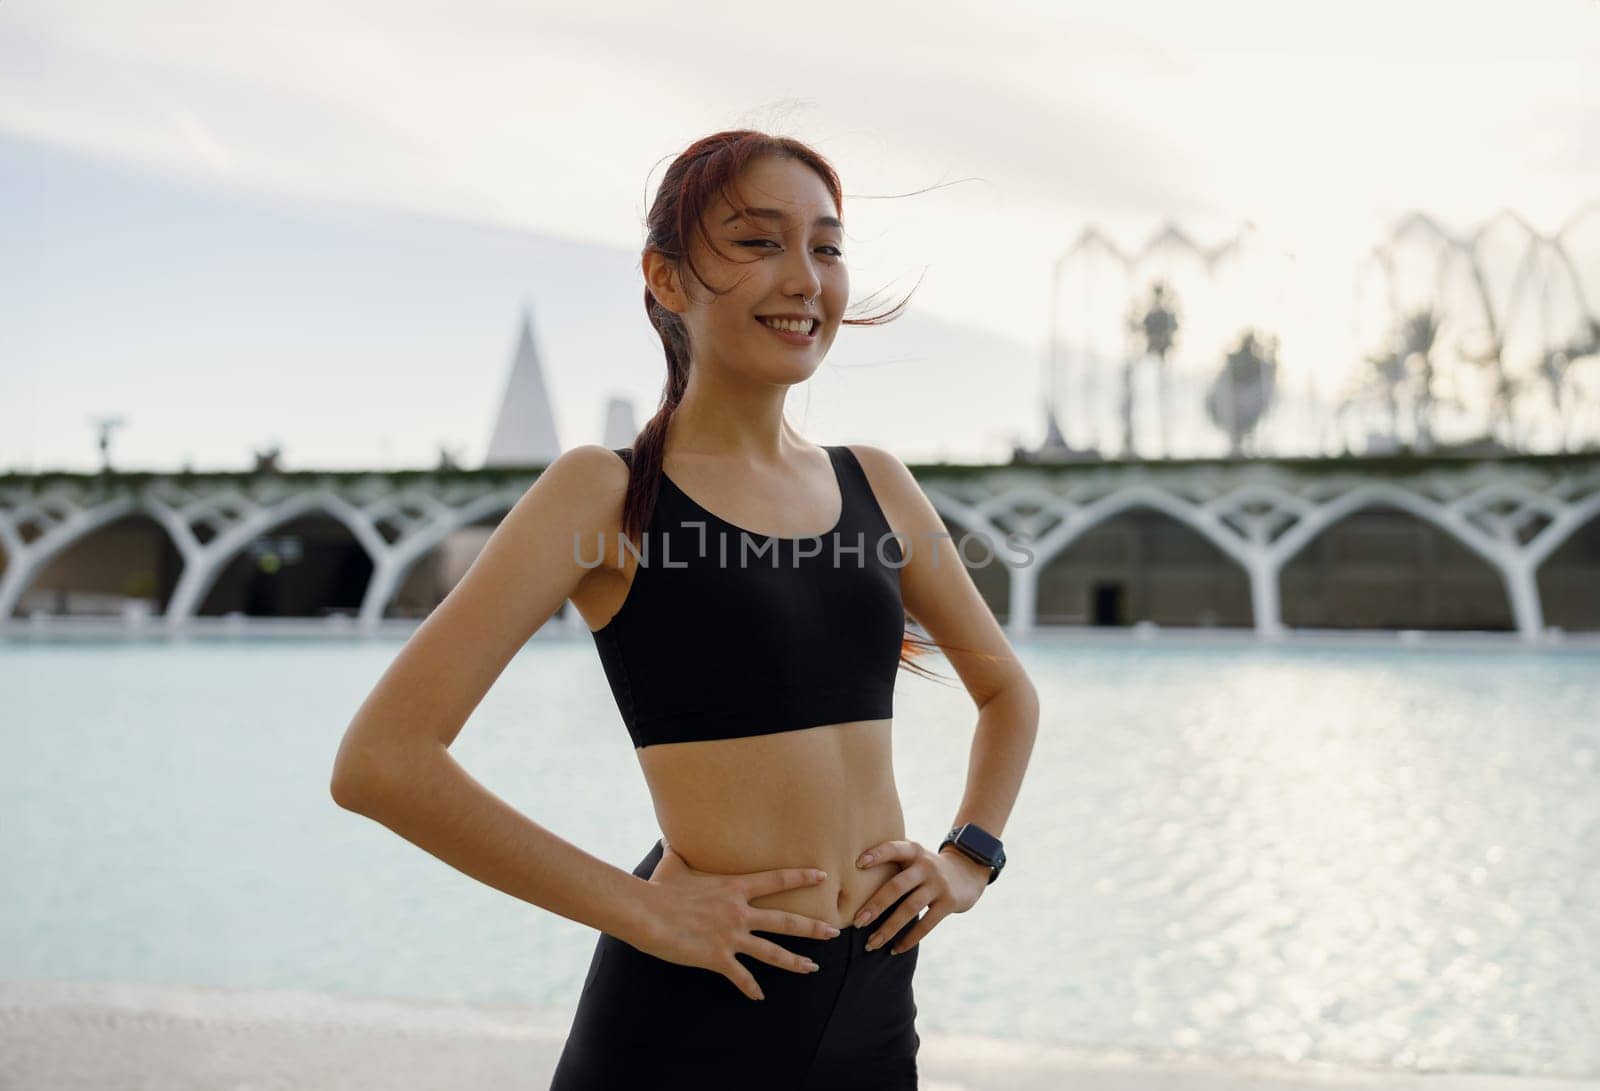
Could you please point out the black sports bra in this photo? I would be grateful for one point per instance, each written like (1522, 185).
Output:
(707, 647)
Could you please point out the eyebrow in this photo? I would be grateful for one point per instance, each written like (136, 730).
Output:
(779, 214)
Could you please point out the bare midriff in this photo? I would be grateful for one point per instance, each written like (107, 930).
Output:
(816, 797)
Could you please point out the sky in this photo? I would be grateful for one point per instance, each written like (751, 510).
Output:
(318, 226)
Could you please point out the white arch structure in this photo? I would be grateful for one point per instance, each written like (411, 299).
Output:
(210, 522)
(1513, 514)
(1261, 514)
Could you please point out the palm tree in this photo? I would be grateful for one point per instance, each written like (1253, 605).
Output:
(1389, 368)
(1243, 390)
(1556, 369)
(1418, 332)
(1502, 423)
(1491, 356)
(1408, 369)
(1156, 330)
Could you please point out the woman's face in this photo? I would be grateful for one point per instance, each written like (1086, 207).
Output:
(784, 257)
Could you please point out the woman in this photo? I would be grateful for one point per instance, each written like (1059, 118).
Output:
(754, 669)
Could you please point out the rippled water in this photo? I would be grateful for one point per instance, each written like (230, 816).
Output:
(1359, 856)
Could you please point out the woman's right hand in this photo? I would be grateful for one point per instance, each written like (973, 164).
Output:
(704, 918)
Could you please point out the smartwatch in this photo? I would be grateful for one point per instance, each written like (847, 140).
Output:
(979, 844)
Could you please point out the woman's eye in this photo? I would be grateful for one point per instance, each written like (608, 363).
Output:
(837, 253)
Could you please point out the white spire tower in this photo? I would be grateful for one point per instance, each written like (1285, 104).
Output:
(525, 429)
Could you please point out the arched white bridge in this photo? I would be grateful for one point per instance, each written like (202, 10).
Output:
(1260, 514)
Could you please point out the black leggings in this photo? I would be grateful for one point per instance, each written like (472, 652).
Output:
(648, 1023)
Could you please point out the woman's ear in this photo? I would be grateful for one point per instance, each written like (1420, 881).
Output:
(661, 277)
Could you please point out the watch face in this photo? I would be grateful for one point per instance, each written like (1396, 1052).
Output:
(973, 838)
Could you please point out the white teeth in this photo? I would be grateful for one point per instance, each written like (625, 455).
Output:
(788, 324)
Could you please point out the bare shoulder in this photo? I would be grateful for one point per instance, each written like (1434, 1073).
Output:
(579, 494)
(535, 551)
(866, 453)
(588, 467)
(533, 560)
(574, 492)
(880, 465)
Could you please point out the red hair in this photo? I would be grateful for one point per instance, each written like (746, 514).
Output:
(703, 171)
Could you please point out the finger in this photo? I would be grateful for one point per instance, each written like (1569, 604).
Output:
(885, 896)
(790, 924)
(883, 850)
(783, 878)
(929, 921)
(902, 915)
(781, 957)
(744, 979)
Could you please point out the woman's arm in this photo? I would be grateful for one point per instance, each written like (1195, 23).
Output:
(394, 764)
(939, 593)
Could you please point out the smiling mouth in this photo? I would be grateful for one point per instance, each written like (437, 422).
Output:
(808, 332)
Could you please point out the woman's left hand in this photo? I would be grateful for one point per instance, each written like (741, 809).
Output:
(941, 882)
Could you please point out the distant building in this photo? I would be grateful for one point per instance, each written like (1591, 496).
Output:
(620, 427)
(525, 428)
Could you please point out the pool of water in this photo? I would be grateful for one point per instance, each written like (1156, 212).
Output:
(1368, 856)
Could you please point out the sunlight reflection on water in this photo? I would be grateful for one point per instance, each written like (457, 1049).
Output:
(1371, 857)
